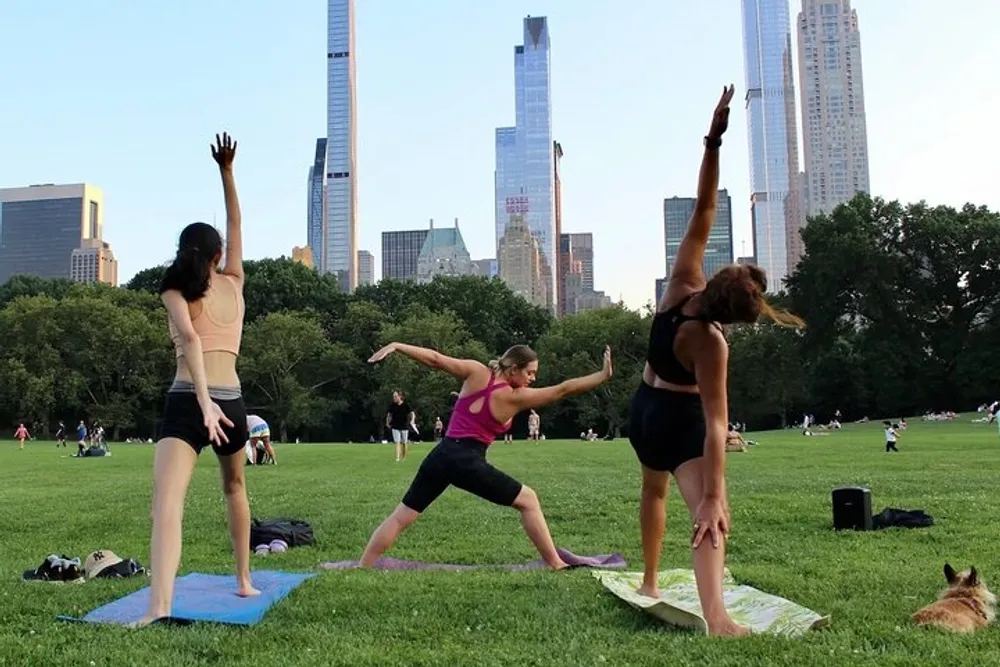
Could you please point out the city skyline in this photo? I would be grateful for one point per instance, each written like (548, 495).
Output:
(437, 154)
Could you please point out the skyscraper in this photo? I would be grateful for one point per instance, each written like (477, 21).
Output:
(400, 252)
(719, 251)
(366, 268)
(94, 262)
(772, 136)
(835, 136)
(520, 260)
(525, 169)
(41, 226)
(316, 204)
(340, 252)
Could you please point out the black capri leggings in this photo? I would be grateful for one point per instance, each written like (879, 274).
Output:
(462, 463)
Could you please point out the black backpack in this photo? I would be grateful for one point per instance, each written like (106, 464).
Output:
(294, 532)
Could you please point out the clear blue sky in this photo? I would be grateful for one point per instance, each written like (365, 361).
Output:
(128, 95)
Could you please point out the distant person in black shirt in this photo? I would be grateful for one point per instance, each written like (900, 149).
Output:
(398, 419)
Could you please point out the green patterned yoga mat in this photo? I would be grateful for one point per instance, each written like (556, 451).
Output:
(679, 605)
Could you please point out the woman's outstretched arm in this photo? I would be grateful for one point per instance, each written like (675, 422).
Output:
(691, 252)
(459, 368)
(527, 399)
(224, 152)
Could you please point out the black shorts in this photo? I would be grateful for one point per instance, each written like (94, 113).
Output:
(182, 419)
(461, 463)
(666, 428)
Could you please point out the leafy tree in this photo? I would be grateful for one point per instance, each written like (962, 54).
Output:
(766, 377)
(23, 285)
(291, 372)
(427, 391)
(573, 347)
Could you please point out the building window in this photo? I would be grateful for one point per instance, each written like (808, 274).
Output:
(93, 220)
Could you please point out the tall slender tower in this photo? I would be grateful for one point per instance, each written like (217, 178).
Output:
(340, 253)
(316, 206)
(775, 203)
(835, 135)
(525, 164)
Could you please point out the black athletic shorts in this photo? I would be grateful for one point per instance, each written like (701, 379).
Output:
(182, 419)
(666, 428)
(462, 463)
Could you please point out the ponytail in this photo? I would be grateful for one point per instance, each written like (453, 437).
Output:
(494, 365)
(780, 317)
(189, 274)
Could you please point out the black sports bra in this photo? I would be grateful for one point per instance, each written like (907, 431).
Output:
(660, 355)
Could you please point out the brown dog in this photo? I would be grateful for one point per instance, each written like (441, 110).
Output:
(965, 606)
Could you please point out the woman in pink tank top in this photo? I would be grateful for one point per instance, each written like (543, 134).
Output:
(491, 396)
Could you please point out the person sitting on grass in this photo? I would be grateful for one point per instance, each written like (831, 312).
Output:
(491, 396)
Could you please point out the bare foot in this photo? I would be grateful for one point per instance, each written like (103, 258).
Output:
(560, 565)
(246, 590)
(650, 591)
(144, 621)
(728, 628)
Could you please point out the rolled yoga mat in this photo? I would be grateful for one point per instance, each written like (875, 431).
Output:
(679, 605)
(614, 560)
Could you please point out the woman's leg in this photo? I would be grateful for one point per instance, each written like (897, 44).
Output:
(173, 464)
(536, 528)
(652, 523)
(238, 514)
(387, 533)
(709, 561)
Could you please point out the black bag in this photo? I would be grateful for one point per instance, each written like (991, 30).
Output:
(892, 517)
(294, 532)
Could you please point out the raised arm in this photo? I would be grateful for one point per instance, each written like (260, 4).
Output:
(691, 252)
(224, 152)
(527, 399)
(459, 368)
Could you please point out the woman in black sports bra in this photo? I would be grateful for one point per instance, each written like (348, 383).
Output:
(679, 414)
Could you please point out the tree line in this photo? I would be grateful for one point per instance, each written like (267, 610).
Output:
(901, 304)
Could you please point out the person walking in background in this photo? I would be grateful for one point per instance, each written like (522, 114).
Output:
(891, 436)
(21, 434)
(398, 419)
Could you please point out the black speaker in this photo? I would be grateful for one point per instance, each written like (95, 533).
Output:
(852, 508)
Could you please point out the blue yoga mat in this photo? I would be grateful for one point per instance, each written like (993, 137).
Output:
(205, 597)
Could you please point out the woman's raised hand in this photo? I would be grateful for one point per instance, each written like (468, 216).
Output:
(720, 117)
(224, 150)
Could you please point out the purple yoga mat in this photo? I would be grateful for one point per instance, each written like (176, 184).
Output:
(613, 561)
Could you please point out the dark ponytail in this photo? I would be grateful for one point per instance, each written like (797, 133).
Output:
(191, 271)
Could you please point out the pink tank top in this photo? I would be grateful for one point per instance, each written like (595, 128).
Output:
(480, 426)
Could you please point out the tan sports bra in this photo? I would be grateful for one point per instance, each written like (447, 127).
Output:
(216, 336)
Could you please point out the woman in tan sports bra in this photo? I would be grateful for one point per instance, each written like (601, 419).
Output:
(204, 405)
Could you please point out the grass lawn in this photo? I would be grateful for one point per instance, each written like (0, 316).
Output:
(782, 542)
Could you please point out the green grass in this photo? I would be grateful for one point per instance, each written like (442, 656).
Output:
(781, 542)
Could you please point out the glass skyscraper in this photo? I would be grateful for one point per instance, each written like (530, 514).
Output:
(316, 204)
(340, 248)
(525, 170)
(42, 225)
(719, 251)
(772, 136)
